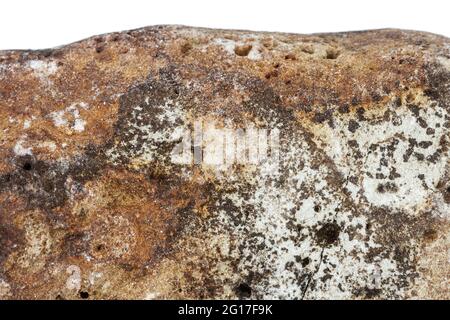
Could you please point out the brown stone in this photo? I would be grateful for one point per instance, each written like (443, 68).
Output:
(320, 171)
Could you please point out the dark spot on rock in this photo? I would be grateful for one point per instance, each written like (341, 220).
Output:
(388, 187)
(410, 98)
(415, 110)
(185, 47)
(45, 53)
(353, 144)
(421, 121)
(425, 144)
(344, 109)
(412, 143)
(84, 294)
(430, 131)
(305, 262)
(271, 74)
(353, 126)
(435, 156)
(379, 176)
(446, 194)
(99, 49)
(328, 234)
(387, 115)
(243, 290)
(27, 166)
(321, 117)
(360, 113)
(355, 101)
(289, 265)
(375, 96)
(115, 38)
(317, 208)
(353, 180)
(430, 234)
(393, 174)
(368, 293)
(419, 156)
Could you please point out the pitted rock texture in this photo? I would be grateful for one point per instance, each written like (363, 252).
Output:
(92, 205)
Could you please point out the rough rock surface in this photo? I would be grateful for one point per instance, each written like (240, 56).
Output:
(93, 204)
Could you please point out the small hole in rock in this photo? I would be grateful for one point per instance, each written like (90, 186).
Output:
(27, 166)
(317, 208)
(100, 247)
(243, 290)
(332, 53)
(84, 295)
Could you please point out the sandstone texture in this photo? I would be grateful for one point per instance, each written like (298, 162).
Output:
(351, 201)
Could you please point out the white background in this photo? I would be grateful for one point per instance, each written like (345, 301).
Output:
(41, 24)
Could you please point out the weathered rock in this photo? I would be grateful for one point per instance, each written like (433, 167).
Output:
(350, 200)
